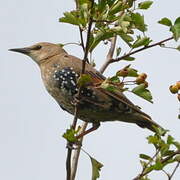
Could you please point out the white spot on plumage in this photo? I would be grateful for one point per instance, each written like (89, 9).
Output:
(73, 82)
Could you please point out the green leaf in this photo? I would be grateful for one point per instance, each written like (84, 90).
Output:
(84, 79)
(96, 168)
(158, 166)
(132, 72)
(170, 139)
(177, 158)
(69, 18)
(138, 21)
(145, 4)
(69, 135)
(144, 156)
(165, 21)
(100, 36)
(117, 7)
(177, 144)
(153, 139)
(144, 41)
(169, 152)
(165, 149)
(127, 38)
(114, 79)
(129, 58)
(109, 87)
(176, 29)
(143, 92)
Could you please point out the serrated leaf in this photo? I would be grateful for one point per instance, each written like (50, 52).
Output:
(100, 36)
(144, 41)
(164, 149)
(176, 29)
(143, 92)
(165, 21)
(127, 38)
(69, 18)
(145, 4)
(96, 168)
(69, 135)
(153, 139)
(129, 58)
(84, 79)
(138, 21)
(145, 156)
(170, 139)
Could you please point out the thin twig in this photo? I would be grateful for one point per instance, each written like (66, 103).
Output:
(81, 37)
(68, 162)
(77, 152)
(84, 61)
(109, 55)
(170, 156)
(170, 177)
(141, 49)
(143, 173)
(136, 51)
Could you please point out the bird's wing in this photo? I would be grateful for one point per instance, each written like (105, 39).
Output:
(117, 95)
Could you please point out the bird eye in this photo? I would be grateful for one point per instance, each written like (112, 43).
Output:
(37, 47)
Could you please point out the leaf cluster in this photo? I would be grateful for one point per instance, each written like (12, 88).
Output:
(167, 151)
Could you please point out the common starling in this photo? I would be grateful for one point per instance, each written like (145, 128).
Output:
(60, 72)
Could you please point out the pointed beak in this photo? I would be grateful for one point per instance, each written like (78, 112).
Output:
(21, 50)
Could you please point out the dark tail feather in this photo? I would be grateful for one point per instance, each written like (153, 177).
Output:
(147, 122)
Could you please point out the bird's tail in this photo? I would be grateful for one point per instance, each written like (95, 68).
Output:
(146, 122)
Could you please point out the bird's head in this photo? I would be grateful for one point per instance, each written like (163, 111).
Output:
(40, 52)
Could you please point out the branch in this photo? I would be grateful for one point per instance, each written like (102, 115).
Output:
(170, 156)
(109, 55)
(141, 49)
(170, 177)
(77, 152)
(73, 169)
(144, 172)
(136, 51)
(81, 37)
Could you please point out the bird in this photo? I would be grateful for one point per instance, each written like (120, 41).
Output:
(60, 72)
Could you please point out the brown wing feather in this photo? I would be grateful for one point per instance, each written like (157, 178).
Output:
(115, 95)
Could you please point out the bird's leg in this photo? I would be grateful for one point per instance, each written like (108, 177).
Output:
(93, 128)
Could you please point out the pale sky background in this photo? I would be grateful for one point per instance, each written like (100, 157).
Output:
(31, 122)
